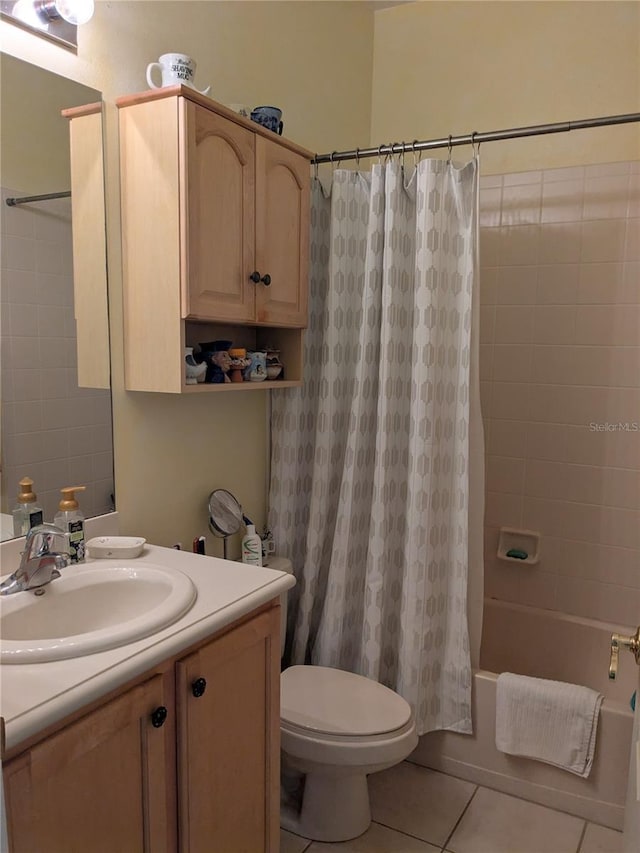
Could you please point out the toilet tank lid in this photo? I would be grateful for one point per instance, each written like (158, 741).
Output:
(336, 702)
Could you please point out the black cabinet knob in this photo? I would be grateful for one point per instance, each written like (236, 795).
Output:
(158, 717)
(255, 277)
(198, 687)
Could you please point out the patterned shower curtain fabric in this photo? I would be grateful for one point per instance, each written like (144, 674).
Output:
(370, 461)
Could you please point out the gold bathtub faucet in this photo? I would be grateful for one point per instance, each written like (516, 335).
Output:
(632, 643)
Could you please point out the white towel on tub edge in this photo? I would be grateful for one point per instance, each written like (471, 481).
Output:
(548, 721)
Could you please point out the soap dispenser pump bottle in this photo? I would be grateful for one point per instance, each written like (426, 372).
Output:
(251, 547)
(70, 519)
(27, 513)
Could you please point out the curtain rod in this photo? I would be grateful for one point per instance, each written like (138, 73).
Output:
(27, 198)
(476, 138)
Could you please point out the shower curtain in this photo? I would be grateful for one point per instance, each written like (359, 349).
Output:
(374, 467)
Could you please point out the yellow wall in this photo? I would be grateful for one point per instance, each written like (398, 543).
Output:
(313, 60)
(34, 156)
(445, 68)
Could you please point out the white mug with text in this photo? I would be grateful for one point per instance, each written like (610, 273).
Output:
(176, 69)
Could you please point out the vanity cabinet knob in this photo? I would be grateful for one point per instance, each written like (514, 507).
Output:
(255, 277)
(159, 716)
(198, 687)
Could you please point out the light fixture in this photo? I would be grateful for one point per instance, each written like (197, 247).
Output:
(56, 20)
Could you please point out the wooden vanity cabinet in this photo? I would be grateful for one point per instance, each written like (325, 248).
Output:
(100, 784)
(228, 723)
(215, 227)
(203, 780)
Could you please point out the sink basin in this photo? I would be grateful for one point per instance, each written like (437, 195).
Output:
(90, 609)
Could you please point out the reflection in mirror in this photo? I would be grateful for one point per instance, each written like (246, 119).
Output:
(51, 429)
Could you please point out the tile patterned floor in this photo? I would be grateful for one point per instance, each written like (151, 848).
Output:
(416, 810)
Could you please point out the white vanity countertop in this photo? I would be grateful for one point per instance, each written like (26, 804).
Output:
(38, 694)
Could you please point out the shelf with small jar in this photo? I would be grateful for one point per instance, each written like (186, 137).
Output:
(238, 357)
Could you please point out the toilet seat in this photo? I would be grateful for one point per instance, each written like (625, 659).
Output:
(334, 705)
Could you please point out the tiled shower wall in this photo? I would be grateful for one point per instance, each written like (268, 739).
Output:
(52, 431)
(560, 385)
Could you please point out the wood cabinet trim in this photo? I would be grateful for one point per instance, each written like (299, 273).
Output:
(203, 101)
(84, 110)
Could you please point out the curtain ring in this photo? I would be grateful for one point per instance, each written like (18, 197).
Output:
(413, 148)
(449, 149)
(357, 158)
(473, 144)
(315, 167)
(380, 147)
(403, 143)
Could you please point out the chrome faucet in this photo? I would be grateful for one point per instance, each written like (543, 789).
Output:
(46, 551)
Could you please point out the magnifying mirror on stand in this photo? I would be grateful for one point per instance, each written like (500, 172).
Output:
(225, 516)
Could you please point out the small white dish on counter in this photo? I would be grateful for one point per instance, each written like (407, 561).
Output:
(119, 547)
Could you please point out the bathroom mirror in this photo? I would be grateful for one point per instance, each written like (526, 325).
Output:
(225, 515)
(52, 430)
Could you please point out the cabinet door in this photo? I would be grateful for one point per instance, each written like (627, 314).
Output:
(229, 741)
(102, 784)
(282, 234)
(220, 229)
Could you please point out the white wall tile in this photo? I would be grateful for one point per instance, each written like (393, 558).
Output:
(562, 201)
(557, 284)
(572, 173)
(560, 243)
(519, 245)
(604, 563)
(514, 324)
(505, 474)
(521, 204)
(512, 362)
(508, 438)
(517, 285)
(632, 241)
(608, 325)
(602, 240)
(39, 354)
(606, 197)
(609, 284)
(617, 448)
(553, 324)
(565, 410)
(596, 170)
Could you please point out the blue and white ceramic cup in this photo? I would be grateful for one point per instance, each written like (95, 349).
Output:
(269, 117)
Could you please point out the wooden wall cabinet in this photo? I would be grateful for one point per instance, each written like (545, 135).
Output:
(89, 246)
(215, 224)
(206, 780)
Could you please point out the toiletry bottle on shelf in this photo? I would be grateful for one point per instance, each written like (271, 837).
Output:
(251, 547)
(27, 513)
(70, 519)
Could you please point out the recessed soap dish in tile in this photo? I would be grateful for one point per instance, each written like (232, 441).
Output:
(519, 546)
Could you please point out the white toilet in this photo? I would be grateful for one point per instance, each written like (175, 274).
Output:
(336, 727)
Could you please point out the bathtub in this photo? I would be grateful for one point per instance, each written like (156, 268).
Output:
(545, 644)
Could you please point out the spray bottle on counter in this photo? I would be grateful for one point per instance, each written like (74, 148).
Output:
(251, 545)
(27, 513)
(70, 519)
